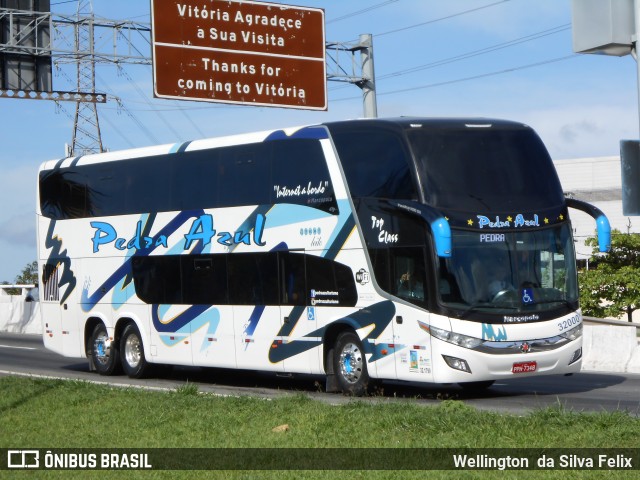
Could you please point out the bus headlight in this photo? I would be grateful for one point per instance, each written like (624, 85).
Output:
(572, 334)
(458, 339)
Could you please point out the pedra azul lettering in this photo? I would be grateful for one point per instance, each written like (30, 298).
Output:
(200, 230)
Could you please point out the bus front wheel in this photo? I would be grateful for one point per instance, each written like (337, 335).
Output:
(132, 352)
(104, 351)
(350, 364)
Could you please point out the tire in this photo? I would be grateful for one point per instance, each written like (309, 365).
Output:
(477, 386)
(350, 365)
(132, 353)
(104, 352)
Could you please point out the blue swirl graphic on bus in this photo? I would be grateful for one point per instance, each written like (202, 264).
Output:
(379, 315)
(147, 244)
(59, 257)
(187, 322)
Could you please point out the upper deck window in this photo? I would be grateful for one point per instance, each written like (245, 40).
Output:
(376, 162)
(485, 169)
(279, 171)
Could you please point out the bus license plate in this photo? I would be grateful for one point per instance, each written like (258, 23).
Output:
(524, 367)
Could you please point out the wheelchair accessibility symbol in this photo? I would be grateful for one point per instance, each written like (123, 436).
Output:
(527, 295)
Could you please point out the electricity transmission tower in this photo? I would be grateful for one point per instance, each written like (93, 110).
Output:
(86, 126)
(84, 40)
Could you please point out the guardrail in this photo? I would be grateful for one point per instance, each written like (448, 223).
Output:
(610, 321)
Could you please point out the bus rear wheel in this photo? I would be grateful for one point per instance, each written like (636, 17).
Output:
(104, 351)
(132, 352)
(350, 364)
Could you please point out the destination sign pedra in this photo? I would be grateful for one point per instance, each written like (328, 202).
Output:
(240, 52)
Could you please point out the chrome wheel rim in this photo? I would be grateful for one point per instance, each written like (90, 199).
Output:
(351, 363)
(102, 348)
(132, 351)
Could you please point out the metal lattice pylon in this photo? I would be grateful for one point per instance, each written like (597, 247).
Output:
(86, 128)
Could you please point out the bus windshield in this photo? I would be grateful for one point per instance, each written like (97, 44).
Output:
(509, 273)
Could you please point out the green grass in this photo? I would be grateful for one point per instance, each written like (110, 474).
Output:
(38, 413)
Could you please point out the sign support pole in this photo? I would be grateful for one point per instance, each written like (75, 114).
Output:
(368, 84)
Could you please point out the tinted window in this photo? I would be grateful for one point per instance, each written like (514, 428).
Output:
(204, 279)
(300, 175)
(330, 283)
(280, 171)
(485, 169)
(375, 163)
(381, 270)
(158, 279)
(244, 175)
(253, 279)
(401, 271)
(193, 184)
(269, 278)
(293, 279)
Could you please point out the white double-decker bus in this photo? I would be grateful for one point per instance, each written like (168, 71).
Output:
(414, 249)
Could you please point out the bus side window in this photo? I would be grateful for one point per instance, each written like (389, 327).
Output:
(298, 164)
(204, 279)
(253, 279)
(244, 175)
(380, 261)
(157, 279)
(408, 273)
(293, 281)
(330, 277)
(376, 163)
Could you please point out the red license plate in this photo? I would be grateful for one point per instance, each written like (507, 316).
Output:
(524, 367)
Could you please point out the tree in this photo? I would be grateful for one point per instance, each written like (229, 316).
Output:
(611, 286)
(29, 274)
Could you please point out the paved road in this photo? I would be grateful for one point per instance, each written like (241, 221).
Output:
(589, 392)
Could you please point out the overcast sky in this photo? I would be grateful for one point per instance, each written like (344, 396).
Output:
(510, 59)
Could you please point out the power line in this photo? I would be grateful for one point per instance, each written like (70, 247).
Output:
(465, 79)
(474, 53)
(359, 12)
(481, 51)
(428, 22)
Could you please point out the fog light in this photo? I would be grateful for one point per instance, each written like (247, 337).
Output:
(577, 355)
(457, 363)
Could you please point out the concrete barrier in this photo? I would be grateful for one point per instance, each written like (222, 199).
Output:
(610, 348)
(18, 316)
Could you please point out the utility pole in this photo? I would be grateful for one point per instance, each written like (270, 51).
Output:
(361, 73)
(368, 84)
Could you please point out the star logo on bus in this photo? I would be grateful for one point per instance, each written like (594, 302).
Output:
(469, 222)
(546, 220)
(510, 218)
(561, 217)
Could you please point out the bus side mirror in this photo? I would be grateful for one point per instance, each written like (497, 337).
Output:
(439, 225)
(604, 233)
(602, 222)
(442, 237)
